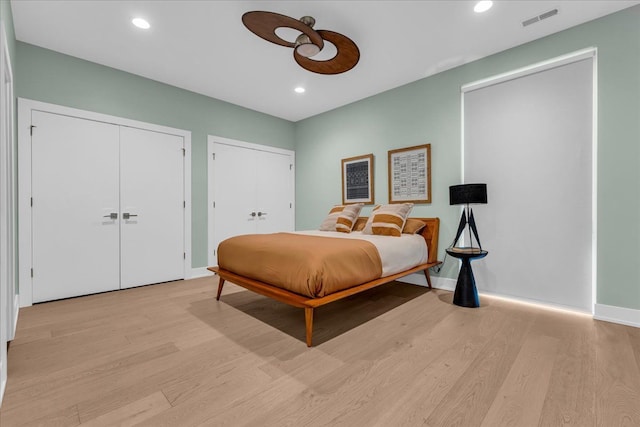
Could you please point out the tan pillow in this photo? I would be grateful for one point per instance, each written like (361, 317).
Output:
(360, 223)
(329, 223)
(388, 220)
(413, 226)
(347, 218)
(342, 212)
(367, 226)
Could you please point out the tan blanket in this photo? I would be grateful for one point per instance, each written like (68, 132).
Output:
(309, 265)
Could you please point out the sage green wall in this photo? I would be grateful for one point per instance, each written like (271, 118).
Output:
(428, 111)
(48, 76)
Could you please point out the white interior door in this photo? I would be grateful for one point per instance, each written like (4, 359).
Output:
(273, 194)
(235, 192)
(152, 207)
(67, 162)
(75, 192)
(252, 190)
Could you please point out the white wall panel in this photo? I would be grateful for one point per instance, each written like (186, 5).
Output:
(530, 139)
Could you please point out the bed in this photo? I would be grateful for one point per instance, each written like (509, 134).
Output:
(315, 292)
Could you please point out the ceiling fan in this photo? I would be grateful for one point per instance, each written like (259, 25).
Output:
(307, 44)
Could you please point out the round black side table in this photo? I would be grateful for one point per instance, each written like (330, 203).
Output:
(466, 294)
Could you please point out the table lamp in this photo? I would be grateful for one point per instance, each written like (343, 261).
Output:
(466, 194)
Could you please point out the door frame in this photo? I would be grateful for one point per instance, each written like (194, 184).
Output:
(9, 306)
(25, 107)
(211, 139)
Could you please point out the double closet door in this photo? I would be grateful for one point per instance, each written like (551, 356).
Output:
(252, 190)
(107, 206)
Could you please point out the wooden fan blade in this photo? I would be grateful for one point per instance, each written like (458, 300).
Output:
(264, 25)
(347, 57)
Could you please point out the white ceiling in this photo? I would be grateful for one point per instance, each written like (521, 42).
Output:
(202, 46)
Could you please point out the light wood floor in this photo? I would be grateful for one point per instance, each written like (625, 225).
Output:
(399, 355)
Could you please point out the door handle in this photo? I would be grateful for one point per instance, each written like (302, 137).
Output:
(253, 214)
(127, 215)
(112, 215)
(262, 213)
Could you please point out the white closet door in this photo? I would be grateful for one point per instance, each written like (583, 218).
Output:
(152, 195)
(247, 184)
(235, 192)
(274, 185)
(74, 189)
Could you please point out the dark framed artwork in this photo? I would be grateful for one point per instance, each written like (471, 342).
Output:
(357, 180)
(410, 174)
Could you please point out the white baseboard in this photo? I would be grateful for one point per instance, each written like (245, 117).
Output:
(444, 283)
(16, 310)
(199, 272)
(622, 315)
(3, 386)
(25, 299)
(437, 282)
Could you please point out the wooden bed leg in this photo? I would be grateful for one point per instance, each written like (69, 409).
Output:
(308, 318)
(220, 285)
(426, 274)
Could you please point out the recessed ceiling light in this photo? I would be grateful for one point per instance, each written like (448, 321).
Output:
(483, 6)
(299, 89)
(141, 23)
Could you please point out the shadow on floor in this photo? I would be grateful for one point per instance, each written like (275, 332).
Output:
(330, 320)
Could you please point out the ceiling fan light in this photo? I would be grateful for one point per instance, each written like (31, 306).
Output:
(305, 47)
(307, 50)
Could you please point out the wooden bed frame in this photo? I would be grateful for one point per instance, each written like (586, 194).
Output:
(429, 232)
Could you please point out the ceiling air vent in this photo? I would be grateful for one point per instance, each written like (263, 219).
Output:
(535, 19)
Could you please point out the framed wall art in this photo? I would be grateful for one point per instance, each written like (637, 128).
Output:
(410, 174)
(357, 180)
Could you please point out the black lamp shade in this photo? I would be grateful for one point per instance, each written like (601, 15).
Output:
(467, 193)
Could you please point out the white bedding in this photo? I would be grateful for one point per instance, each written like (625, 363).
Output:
(396, 253)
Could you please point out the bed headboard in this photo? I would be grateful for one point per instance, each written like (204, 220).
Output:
(430, 234)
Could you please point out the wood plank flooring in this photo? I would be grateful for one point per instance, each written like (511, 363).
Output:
(398, 355)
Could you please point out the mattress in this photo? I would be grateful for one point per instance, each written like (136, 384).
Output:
(318, 263)
(397, 254)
